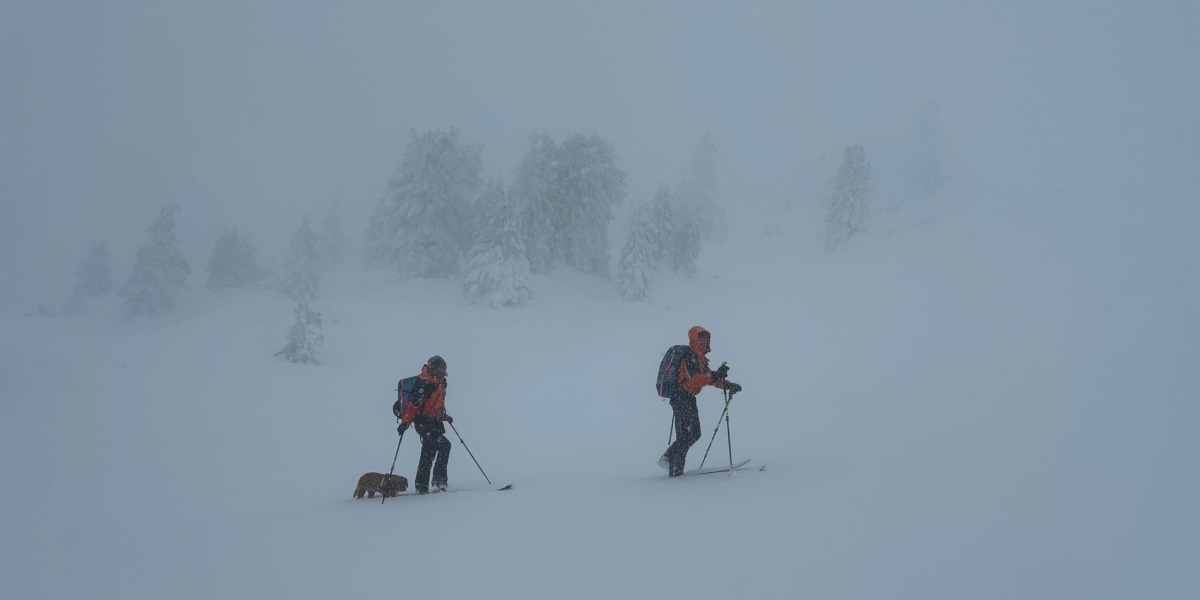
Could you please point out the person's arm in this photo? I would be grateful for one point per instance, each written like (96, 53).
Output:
(692, 384)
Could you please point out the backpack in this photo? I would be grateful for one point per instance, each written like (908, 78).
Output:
(406, 395)
(668, 369)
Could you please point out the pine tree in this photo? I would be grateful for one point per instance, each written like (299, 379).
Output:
(301, 276)
(640, 256)
(536, 200)
(497, 270)
(925, 174)
(93, 277)
(698, 192)
(678, 232)
(233, 263)
(851, 200)
(304, 338)
(333, 239)
(418, 227)
(591, 187)
(159, 273)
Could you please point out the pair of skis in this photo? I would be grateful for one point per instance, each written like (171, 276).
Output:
(489, 489)
(739, 466)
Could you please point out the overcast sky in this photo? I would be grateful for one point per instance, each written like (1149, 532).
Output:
(251, 113)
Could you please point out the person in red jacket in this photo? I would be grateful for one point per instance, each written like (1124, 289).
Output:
(693, 376)
(425, 410)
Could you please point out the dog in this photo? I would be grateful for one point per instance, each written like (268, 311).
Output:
(385, 484)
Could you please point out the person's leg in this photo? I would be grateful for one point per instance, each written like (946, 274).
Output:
(429, 451)
(440, 477)
(687, 431)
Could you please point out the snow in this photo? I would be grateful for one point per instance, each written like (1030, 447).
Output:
(960, 404)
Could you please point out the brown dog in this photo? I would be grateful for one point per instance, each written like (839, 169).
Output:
(387, 485)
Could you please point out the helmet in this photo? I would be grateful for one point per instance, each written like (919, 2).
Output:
(436, 361)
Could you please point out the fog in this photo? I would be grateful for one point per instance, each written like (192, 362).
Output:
(990, 393)
(251, 115)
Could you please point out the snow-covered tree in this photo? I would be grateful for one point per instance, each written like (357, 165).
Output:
(234, 262)
(301, 275)
(590, 187)
(159, 273)
(535, 197)
(640, 256)
(93, 277)
(497, 270)
(925, 172)
(333, 239)
(565, 195)
(850, 204)
(304, 338)
(698, 192)
(678, 232)
(418, 227)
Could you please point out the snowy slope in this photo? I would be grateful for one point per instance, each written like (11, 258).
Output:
(941, 407)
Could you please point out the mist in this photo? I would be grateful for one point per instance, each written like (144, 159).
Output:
(989, 393)
(250, 116)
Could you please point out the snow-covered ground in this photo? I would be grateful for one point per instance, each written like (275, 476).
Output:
(966, 403)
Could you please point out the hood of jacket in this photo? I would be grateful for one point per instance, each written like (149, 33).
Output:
(698, 345)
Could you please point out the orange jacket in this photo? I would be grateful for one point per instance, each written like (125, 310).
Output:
(433, 407)
(692, 383)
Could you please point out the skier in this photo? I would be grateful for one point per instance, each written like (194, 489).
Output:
(693, 376)
(425, 411)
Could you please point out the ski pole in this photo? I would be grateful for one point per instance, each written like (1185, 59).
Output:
(728, 431)
(724, 415)
(460, 440)
(383, 483)
(671, 431)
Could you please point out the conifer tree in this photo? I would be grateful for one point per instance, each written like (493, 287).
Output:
(590, 187)
(850, 203)
(698, 192)
(333, 239)
(301, 276)
(304, 338)
(418, 227)
(93, 277)
(678, 232)
(233, 263)
(536, 199)
(159, 272)
(640, 256)
(497, 270)
(925, 174)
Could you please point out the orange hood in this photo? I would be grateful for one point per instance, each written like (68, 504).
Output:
(696, 343)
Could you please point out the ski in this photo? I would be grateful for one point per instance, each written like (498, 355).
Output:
(736, 467)
(457, 491)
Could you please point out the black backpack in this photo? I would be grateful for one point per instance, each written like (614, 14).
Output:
(668, 370)
(407, 394)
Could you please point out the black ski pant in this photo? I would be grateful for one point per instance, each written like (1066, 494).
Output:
(435, 454)
(687, 432)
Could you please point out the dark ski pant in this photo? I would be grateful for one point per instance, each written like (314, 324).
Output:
(687, 432)
(435, 454)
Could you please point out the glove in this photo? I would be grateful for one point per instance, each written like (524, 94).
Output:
(401, 428)
(449, 419)
(722, 372)
(732, 387)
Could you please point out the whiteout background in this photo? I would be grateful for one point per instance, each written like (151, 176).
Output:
(990, 395)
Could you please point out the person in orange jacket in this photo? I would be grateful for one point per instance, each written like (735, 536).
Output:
(422, 405)
(693, 376)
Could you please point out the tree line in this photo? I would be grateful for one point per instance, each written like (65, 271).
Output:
(439, 218)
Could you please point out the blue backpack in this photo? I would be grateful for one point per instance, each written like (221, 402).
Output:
(668, 369)
(406, 395)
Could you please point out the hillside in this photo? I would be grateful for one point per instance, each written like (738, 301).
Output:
(941, 409)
